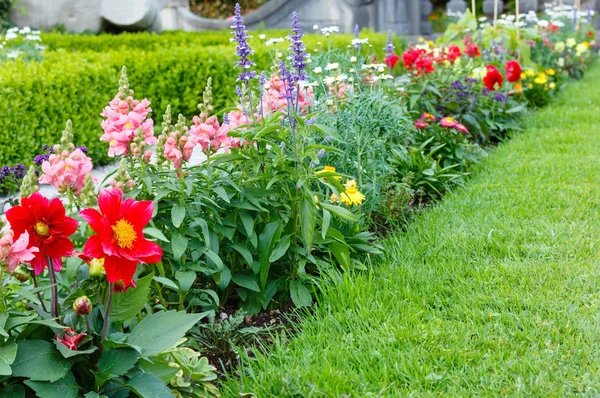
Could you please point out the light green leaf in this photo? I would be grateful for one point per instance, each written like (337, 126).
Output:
(244, 252)
(156, 233)
(246, 281)
(159, 367)
(179, 244)
(8, 353)
(300, 294)
(326, 222)
(161, 330)
(177, 215)
(167, 282)
(280, 248)
(39, 360)
(339, 211)
(186, 279)
(248, 223)
(128, 304)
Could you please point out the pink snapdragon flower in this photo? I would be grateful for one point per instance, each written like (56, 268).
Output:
(14, 253)
(123, 119)
(67, 170)
(274, 96)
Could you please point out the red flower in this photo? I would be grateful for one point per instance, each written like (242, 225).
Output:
(410, 56)
(119, 239)
(424, 64)
(71, 339)
(391, 61)
(513, 71)
(448, 122)
(453, 53)
(492, 78)
(461, 128)
(471, 48)
(421, 124)
(48, 228)
(428, 117)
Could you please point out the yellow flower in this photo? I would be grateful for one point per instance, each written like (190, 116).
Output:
(316, 199)
(523, 76)
(530, 85)
(552, 85)
(350, 184)
(421, 39)
(541, 79)
(560, 46)
(334, 198)
(587, 44)
(571, 42)
(352, 197)
(327, 169)
(580, 49)
(550, 72)
(530, 72)
(518, 88)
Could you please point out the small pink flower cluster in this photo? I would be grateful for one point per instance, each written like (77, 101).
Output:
(339, 90)
(66, 170)
(123, 119)
(274, 96)
(14, 253)
(208, 134)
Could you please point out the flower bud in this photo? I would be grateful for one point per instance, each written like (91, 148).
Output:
(96, 267)
(82, 305)
(147, 156)
(22, 274)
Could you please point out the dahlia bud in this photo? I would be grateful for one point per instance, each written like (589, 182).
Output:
(82, 305)
(96, 267)
(22, 274)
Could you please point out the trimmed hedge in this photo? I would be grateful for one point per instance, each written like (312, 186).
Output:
(76, 84)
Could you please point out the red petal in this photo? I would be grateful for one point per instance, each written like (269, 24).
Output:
(60, 247)
(140, 213)
(109, 202)
(118, 269)
(146, 251)
(93, 247)
(94, 218)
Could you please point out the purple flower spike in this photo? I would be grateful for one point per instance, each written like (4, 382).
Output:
(389, 48)
(298, 49)
(240, 35)
(356, 31)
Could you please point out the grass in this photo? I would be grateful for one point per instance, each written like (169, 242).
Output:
(494, 291)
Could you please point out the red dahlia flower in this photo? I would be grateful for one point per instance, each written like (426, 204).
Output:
(513, 71)
(391, 61)
(48, 228)
(119, 238)
(492, 78)
(71, 338)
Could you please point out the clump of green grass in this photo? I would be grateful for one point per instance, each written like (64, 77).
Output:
(495, 291)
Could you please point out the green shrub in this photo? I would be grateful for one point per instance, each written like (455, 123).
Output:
(77, 84)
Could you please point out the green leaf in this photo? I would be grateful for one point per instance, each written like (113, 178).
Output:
(156, 233)
(266, 241)
(67, 353)
(244, 252)
(179, 245)
(326, 222)
(223, 278)
(300, 294)
(64, 388)
(220, 191)
(128, 304)
(308, 217)
(8, 353)
(115, 363)
(248, 223)
(14, 391)
(177, 215)
(146, 385)
(340, 252)
(159, 367)
(186, 279)
(167, 282)
(214, 257)
(280, 248)
(245, 280)
(339, 211)
(39, 360)
(161, 330)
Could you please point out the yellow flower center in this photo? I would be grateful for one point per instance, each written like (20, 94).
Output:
(41, 228)
(124, 234)
(128, 126)
(112, 142)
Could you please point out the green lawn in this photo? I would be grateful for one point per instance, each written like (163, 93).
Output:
(494, 291)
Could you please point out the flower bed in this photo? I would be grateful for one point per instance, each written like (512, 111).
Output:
(254, 206)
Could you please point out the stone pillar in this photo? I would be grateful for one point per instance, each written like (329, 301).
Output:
(426, 10)
(528, 5)
(393, 15)
(488, 8)
(132, 14)
(456, 6)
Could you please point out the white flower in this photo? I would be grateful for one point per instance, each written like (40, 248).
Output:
(319, 43)
(561, 62)
(279, 55)
(318, 70)
(10, 35)
(25, 30)
(339, 78)
(571, 42)
(351, 79)
(305, 84)
(330, 29)
(543, 23)
(352, 70)
(13, 54)
(332, 66)
(360, 41)
(386, 77)
(33, 38)
(482, 19)
(316, 50)
(372, 66)
(353, 59)
(329, 102)
(560, 46)
(580, 49)
(262, 36)
(381, 69)
(274, 40)
(315, 27)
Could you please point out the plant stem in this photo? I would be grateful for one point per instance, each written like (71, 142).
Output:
(35, 284)
(53, 288)
(87, 325)
(107, 311)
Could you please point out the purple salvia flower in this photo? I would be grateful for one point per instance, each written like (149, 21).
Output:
(225, 118)
(321, 153)
(263, 79)
(357, 44)
(240, 35)
(39, 159)
(298, 49)
(389, 48)
(288, 81)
